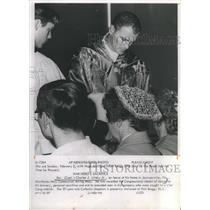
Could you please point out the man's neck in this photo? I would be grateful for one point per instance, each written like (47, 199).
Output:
(62, 137)
(109, 48)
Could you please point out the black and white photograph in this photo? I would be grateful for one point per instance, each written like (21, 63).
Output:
(104, 104)
(105, 77)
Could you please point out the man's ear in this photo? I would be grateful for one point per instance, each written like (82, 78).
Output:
(38, 24)
(46, 120)
(111, 29)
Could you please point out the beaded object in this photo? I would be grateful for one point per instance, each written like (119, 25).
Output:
(139, 103)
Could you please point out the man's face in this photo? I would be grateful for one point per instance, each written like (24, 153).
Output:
(42, 33)
(122, 38)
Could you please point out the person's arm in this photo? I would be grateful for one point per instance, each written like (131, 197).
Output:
(142, 76)
(100, 128)
(135, 73)
(97, 99)
(80, 70)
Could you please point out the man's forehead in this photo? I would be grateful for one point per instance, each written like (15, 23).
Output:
(126, 31)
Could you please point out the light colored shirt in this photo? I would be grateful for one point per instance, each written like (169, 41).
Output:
(167, 145)
(136, 144)
(43, 71)
(79, 147)
(113, 55)
(46, 70)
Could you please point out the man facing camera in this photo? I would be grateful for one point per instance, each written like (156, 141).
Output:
(63, 118)
(44, 69)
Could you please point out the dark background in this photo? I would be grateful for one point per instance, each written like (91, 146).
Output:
(81, 24)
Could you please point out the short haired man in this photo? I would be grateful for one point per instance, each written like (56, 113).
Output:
(128, 110)
(44, 69)
(45, 21)
(109, 62)
(62, 116)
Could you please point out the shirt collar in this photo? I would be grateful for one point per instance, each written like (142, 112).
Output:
(66, 148)
(136, 138)
(113, 55)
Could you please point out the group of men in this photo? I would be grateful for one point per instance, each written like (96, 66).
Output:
(98, 68)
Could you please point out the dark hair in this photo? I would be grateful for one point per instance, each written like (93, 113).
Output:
(66, 103)
(127, 19)
(116, 111)
(167, 101)
(45, 14)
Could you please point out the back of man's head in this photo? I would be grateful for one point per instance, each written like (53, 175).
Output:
(45, 14)
(127, 19)
(66, 104)
(167, 102)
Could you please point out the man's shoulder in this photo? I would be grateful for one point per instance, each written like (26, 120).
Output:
(97, 150)
(41, 58)
(47, 67)
(45, 63)
(94, 48)
(86, 51)
(137, 149)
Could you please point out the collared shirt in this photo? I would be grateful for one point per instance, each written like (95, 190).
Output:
(113, 55)
(79, 147)
(136, 144)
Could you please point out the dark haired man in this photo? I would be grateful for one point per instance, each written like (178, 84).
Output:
(128, 110)
(62, 116)
(45, 21)
(44, 69)
(109, 63)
